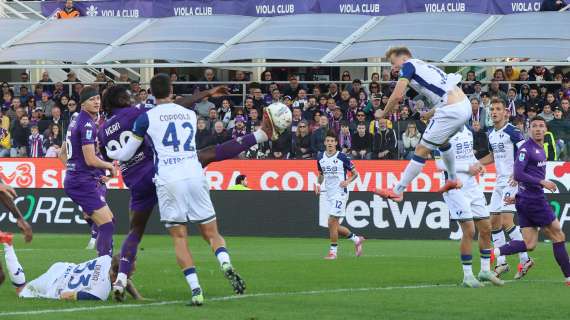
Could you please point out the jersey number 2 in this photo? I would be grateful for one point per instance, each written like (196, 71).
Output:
(171, 138)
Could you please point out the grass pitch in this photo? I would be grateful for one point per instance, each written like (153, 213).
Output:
(288, 279)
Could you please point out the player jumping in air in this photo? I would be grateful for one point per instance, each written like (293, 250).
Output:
(504, 141)
(82, 181)
(468, 206)
(333, 167)
(138, 172)
(452, 110)
(533, 208)
(90, 280)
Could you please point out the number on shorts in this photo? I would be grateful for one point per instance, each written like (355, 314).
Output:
(338, 204)
(171, 138)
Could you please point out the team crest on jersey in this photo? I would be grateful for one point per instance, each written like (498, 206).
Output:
(89, 134)
(522, 155)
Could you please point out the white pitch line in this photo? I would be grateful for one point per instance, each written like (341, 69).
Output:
(226, 298)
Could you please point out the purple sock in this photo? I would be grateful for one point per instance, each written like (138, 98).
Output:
(94, 229)
(230, 149)
(129, 253)
(561, 256)
(105, 239)
(512, 247)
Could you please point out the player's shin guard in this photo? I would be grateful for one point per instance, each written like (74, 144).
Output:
(485, 259)
(128, 254)
(499, 241)
(561, 256)
(94, 228)
(15, 270)
(515, 234)
(191, 278)
(413, 169)
(222, 255)
(230, 149)
(448, 157)
(105, 239)
(514, 246)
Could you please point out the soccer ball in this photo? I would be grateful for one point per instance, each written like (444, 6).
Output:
(280, 116)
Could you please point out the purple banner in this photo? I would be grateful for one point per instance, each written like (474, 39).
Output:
(262, 8)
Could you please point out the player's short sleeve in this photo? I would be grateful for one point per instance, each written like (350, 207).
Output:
(407, 70)
(141, 126)
(515, 135)
(88, 133)
(346, 162)
(319, 157)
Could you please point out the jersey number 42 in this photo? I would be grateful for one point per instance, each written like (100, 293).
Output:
(171, 137)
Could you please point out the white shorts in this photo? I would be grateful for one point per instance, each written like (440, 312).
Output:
(466, 205)
(45, 286)
(334, 205)
(184, 201)
(497, 204)
(446, 122)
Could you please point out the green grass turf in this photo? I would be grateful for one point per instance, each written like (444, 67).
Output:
(383, 280)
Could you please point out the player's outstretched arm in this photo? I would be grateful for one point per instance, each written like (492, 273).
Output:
(63, 154)
(215, 92)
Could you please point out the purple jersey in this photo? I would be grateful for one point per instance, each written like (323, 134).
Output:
(82, 131)
(530, 169)
(114, 133)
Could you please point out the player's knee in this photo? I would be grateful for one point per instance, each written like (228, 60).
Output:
(530, 244)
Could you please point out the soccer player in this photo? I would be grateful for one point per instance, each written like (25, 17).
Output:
(533, 209)
(333, 167)
(504, 141)
(82, 181)
(468, 206)
(90, 280)
(182, 189)
(451, 110)
(138, 172)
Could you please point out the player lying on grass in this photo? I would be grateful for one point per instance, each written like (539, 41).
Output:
(451, 106)
(333, 167)
(7, 195)
(468, 206)
(533, 209)
(90, 280)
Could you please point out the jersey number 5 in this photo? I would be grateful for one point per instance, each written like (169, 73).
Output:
(171, 138)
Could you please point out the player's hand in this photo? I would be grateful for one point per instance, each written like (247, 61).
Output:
(104, 179)
(219, 91)
(113, 170)
(26, 229)
(512, 182)
(317, 189)
(548, 185)
(9, 191)
(509, 200)
(476, 169)
(344, 184)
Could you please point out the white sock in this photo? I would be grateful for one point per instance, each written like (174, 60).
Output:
(15, 270)
(334, 248)
(485, 264)
(516, 234)
(260, 136)
(413, 169)
(448, 157)
(192, 278)
(223, 256)
(122, 277)
(499, 241)
(353, 237)
(467, 270)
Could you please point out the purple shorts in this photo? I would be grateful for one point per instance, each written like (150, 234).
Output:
(86, 192)
(143, 195)
(534, 212)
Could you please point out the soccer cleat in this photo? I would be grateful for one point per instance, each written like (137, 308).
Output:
(450, 184)
(358, 246)
(197, 297)
(501, 268)
(490, 277)
(331, 256)
(567, 281)
(269, 127)
(523, 268)
(235, 280)
(119, 291)
(6, 237)
(389, 194)
(91, 245)
(471, 282)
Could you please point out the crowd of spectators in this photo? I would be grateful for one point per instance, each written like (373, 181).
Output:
(34, 118)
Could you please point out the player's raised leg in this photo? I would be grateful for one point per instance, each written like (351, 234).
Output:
(15, 270)
(356, 239)
(514, 233)
(93, 230)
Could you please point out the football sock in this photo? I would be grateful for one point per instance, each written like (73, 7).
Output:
(192, 278)
(485, 259)
(334, 247)
(230, 149)
(499, 241)
(94, 228)
(515, 234)
(561, 256)
(15, 270)
(222, 255)
(512, 247)
(353, 237)
(466, 261)
(448, 157)
(105, 239)
(128, 253)
(413, 169)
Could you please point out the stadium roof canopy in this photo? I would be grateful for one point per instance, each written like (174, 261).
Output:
(315, 39)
